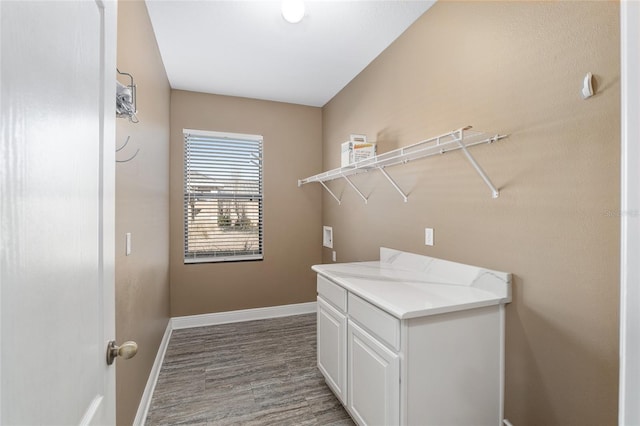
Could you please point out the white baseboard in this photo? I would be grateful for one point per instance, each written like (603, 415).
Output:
(242, 315)
(204, 320)
(145, 401)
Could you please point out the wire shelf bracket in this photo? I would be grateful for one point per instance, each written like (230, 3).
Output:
(462, 139)
(330, 192)
(355, 188)
(394, 184)
(494, 191)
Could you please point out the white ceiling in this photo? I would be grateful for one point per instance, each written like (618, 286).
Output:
(245, 48)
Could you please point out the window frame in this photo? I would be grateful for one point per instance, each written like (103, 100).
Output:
(194, 258)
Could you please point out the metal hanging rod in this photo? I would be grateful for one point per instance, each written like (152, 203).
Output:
(457, 139)
(122, 147)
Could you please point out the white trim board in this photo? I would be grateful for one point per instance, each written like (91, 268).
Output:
(629, 392)
(205, 320)
(145, 401)
(242, 315)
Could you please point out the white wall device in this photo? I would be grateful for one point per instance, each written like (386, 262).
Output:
(327, 236)
(587, 86)
(428, 236)
(127, 248)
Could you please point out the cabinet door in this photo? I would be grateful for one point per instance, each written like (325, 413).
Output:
(374, 380)
(332, 348)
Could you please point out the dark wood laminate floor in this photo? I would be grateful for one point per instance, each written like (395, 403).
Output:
(249, 373)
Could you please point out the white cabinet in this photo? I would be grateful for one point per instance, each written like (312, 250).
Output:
(397, 349)
(374, 380)
(362, 370)
(332, 348)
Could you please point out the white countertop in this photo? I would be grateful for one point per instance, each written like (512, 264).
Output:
(408, 285)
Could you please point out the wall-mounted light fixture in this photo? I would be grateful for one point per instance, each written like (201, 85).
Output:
(293, 10)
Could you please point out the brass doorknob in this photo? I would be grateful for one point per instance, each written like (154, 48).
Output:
(126, 350)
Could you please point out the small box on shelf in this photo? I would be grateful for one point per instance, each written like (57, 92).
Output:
(355, 149)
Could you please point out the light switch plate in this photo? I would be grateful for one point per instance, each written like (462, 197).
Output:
(128, 243)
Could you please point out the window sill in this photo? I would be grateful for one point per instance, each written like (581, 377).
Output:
(218, 259)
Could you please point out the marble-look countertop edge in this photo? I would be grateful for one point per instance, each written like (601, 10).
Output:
(451, 308)
(398, 311)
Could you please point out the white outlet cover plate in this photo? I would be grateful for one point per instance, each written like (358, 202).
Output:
(428, 236)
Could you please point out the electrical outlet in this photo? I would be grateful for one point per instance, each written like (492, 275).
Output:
(333, 256)
(428, 236)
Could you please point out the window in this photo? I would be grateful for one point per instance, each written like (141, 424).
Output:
(222, 196)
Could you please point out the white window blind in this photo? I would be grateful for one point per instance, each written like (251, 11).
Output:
(222, 196)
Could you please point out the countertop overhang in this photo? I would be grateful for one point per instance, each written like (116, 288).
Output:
(408, 285)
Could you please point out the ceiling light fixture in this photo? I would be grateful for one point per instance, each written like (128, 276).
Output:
(293, 10)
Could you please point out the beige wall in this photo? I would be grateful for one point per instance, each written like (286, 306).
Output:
(514, 68)
(142, 208)
(292, 226)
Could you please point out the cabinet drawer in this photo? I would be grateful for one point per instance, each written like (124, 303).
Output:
(377, 321)
(332, 293)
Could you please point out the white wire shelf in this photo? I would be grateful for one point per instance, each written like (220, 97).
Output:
(457, 139)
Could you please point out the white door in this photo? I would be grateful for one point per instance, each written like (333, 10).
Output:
(373, 386)
(57, 168)
(332, 348)
(629, 406)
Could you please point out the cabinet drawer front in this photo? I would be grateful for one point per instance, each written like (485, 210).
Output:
(333, 293)
(377, 321)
